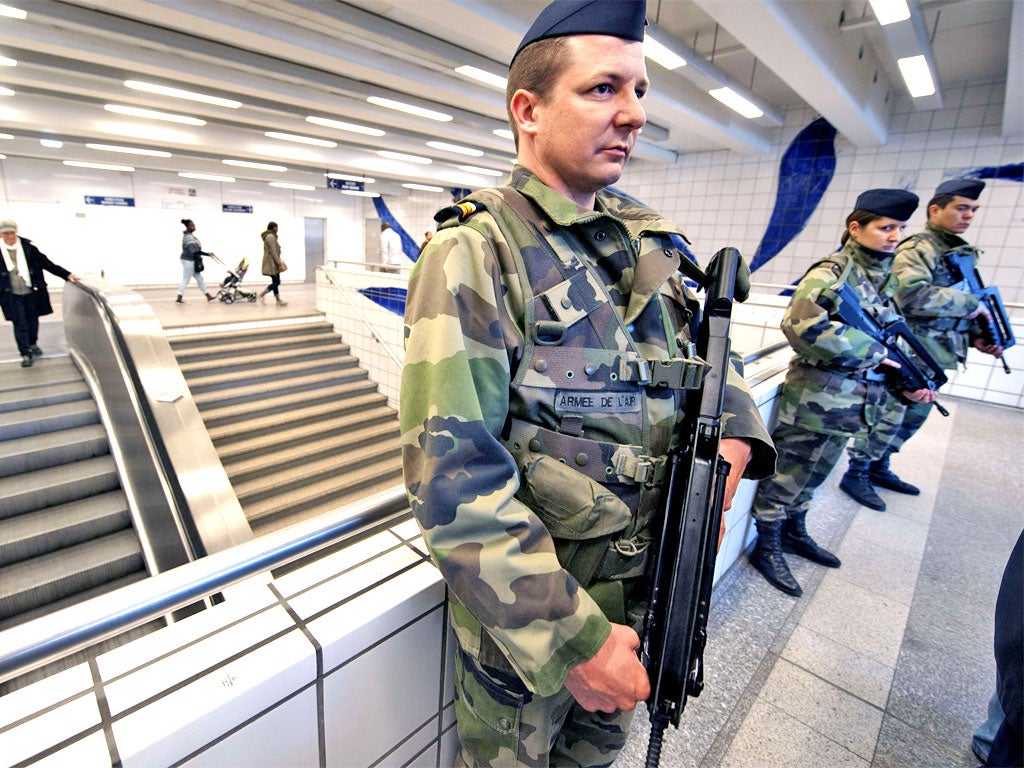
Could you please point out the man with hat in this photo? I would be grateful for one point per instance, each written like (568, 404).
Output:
(945, 319)
(835, 387)
(534, 447)
(23, 294)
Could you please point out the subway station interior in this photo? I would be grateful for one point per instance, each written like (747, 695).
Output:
(207, 555)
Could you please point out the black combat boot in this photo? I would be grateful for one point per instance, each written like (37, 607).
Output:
(857, 484)
(767, 558)
(880, 475)
(796, 540)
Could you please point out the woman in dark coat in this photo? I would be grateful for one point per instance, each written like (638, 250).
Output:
(23, 294)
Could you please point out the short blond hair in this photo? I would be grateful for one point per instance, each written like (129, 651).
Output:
(536, 69)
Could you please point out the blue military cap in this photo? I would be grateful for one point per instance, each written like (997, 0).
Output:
(897, 204)
(618, 18)
(969, 188)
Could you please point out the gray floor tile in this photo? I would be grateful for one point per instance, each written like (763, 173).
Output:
(840, 665)
(770, 737)
(901, 746)
(899, 534)
(845, 719)
(878, 569)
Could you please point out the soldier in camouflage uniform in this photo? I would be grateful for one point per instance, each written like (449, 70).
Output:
(945, 318)
(833, 389)
(534, 441)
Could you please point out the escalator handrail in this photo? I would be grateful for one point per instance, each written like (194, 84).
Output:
(28, 646)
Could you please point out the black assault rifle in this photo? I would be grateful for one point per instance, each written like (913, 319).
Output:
(998, 331)
(909, 376)
(683, 565)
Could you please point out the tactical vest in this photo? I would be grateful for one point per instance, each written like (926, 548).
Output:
(596, 497)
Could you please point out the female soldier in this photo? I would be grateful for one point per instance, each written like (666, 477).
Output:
(834, 387)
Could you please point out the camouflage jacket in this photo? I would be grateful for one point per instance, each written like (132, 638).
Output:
(927, 295)
(831, 386)
(470, 318)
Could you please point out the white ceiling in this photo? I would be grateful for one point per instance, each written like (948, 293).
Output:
(287, 59)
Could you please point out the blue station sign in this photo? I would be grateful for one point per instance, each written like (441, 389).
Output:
(123, 202)
(226, 208)
(346, 185)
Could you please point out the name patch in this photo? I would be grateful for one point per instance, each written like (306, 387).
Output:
(588, 401)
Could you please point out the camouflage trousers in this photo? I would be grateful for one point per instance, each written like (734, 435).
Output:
(500, 723)
(805, 460)
(897, 424)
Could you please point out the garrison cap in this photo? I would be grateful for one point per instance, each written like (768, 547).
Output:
(897, 204)
(8, 226)
(617, 18)
(969, 188)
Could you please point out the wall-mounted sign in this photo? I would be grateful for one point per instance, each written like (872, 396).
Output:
(346, 185)
(236, 208)
(124, 202)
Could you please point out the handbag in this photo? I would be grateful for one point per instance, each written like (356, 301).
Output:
(199, 264)
(283, 266)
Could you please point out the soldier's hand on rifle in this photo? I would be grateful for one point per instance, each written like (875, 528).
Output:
(981, 311)
(614, 678)
(737, 452)
(988, 349)
(920, 395)
(890, 363)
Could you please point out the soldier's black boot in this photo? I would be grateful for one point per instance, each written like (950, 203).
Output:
(880, 475)
(767, 558)
(796, 540)
(857, 484)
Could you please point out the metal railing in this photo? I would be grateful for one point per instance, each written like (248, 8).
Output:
(369, 326)
(28, 646)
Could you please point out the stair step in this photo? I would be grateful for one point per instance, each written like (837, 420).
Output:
(239, 343)
(322, 418)
(249, 336)
(27, 454)
(337, 466)
(269, 375)
(37, 582)
(306, 502)
(287, 454)
(57, 485)
(259, 391)
(216, 414)
(49, 394)
(47, 418)
(256, 362)
(47, 530)
(55, 372)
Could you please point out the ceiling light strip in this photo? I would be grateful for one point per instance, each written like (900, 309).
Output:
(410, 109)
(179, 93)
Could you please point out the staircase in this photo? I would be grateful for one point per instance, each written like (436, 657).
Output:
(297, 424)
(65, 530)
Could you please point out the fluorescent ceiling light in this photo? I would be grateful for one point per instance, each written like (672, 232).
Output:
(3, 157)
(207, 177)
(455, 148)
(12, 13)
(655, 51)
(6, 91)
(735, 102)
(129, 150)
(152, 114)
(343, 126)
(916, 75)
(483, 76)
(356, 193)
(481, 171)
(5, 62)
(405, 157)
(350, 177)
(890, 11)
(99, 166)
(300, 139)
(6, 136)
(178, 93)
(424, 187)
(256, 166)
(51, 143)
(504, 133)
(290, 185)
(410, 109)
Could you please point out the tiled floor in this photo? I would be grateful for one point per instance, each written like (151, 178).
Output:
(886, 661)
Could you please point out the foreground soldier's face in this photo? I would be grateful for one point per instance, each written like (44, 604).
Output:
(584, 132)
(956, 216)
(879, 235)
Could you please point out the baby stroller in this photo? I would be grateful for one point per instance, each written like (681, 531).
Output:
(230, 288)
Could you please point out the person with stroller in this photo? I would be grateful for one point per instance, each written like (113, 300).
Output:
(273, 264)
(192, 262)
